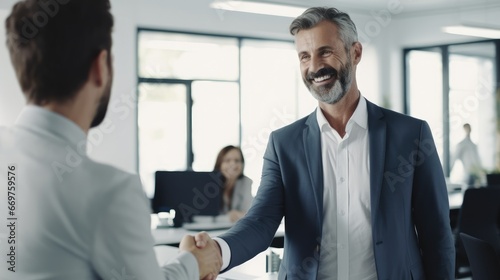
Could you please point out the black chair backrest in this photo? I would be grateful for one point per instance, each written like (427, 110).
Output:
(493, 179)
(479, 217)
(484, 262)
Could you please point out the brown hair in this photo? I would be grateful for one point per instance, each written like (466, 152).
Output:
(223, 152)
(52, 45)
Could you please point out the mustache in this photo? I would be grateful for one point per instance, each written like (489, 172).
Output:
(323, 72)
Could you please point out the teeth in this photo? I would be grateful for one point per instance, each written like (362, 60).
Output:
(322, 78)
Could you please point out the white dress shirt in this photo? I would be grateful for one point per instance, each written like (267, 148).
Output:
(467, 152)
(346, 245)
(76, 219)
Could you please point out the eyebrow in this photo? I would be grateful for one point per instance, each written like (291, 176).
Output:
(324, 48)
(320, 49)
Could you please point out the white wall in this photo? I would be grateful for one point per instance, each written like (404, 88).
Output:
(382, 63)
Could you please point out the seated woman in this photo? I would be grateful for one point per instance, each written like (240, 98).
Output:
(237, 196)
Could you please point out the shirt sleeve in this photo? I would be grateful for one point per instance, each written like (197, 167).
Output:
(225, 251)
(123, 243)
(182, 265)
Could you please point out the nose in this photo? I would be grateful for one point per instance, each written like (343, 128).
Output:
(317, 63)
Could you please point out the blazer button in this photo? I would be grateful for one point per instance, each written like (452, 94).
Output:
(317, 248)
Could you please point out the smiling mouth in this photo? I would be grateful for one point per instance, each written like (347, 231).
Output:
(322, 78)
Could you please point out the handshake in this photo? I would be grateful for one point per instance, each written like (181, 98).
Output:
(207, 253)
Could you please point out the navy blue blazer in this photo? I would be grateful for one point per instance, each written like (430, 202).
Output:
(411, 231)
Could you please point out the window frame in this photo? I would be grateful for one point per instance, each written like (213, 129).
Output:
(188, 83)
(445, 56)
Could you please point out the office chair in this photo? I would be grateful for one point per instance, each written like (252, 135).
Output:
(493, 180)
(484, 262)
(479, 217)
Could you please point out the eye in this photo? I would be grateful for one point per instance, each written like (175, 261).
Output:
(326, 53)
(304, 57)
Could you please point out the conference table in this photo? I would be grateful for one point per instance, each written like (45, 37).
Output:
(168, 238)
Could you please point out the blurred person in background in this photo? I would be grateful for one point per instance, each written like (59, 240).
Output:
(467, 153)
(237, 187)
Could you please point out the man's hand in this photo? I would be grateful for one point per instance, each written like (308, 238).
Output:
(208, 254)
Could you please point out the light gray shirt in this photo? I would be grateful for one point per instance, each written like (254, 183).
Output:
(76, 218)
(242, 195)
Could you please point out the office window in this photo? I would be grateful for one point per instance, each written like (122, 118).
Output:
(451, 85)
(187, 57)
(162, 128)
(215, 121)
(472, 100)
(271, 89)
(424, 92)
(199, 93)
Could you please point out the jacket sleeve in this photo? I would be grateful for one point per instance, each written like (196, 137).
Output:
(255, 232)
(431, 211)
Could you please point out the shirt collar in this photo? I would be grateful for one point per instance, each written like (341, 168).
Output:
(360, 116)
(42, 120)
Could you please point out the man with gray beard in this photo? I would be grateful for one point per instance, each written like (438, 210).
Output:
(360, 187)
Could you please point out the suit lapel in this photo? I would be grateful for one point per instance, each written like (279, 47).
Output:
(312, 150)
(377, 138)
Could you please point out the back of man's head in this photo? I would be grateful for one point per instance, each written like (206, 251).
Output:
(52, 44)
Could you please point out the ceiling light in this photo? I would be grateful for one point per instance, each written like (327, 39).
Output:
(258, 8)
(493, 33)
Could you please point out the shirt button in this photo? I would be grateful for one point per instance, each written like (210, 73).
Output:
(341, 246)
(342, 212)
(342, 179)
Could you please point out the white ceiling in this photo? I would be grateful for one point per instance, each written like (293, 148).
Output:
(408, 6)
(364, 6)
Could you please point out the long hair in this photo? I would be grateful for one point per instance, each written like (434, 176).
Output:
(222, 154)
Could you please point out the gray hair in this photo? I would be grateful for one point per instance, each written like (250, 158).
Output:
(313, 16)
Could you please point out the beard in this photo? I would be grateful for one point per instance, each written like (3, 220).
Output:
(333, 92)
(102, 108)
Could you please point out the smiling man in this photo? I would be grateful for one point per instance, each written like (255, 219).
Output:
(360, 187)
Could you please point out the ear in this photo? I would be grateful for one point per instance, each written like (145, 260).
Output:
(99, 72)
(356, 52)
